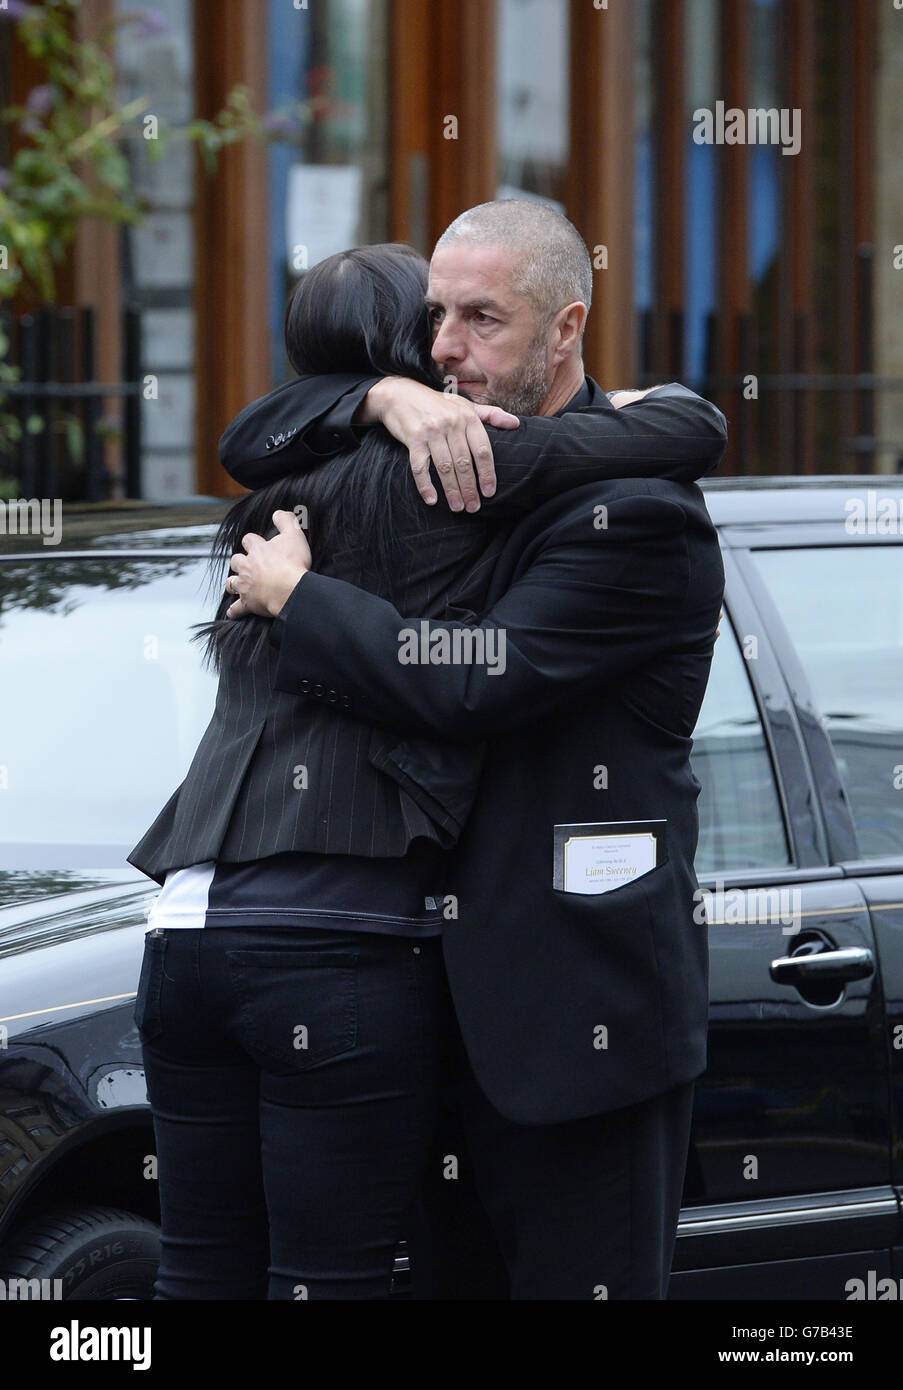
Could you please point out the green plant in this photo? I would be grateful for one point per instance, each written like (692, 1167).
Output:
(70, 165)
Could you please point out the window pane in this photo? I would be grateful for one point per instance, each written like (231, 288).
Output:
(533, 95)
(740, 821)
(107, 700)
(329, 179)
(155, 61)
(843, 607)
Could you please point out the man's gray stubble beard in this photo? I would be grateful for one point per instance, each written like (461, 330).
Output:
(523, 391)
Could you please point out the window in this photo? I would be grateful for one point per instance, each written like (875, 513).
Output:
(329, 180)
(159, 252)
(740, 821)
(532, 99)
(843, 608)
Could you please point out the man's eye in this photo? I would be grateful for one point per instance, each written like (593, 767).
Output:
(435, 315)
(483, 318)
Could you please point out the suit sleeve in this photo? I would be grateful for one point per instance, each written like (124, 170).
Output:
(283, 432)
(670, 433)
(590, 607)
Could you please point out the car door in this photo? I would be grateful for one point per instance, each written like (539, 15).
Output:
(844, 659)
(787, 1191)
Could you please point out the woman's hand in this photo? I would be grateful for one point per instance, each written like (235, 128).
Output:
(264, 577)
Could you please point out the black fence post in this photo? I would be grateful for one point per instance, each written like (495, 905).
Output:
(7, 328)
(46, 470)
(64, 375)
(647, 345)
(865, 399)
(676, 344)
(745, 356)
(131, 372)
(97, 481)
(802, 460)
(28, 356)
(710, 351)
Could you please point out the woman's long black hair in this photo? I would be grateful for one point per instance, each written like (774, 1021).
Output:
(358, 311)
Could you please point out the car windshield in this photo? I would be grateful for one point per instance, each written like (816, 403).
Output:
(102, 703)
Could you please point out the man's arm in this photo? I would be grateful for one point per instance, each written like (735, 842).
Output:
(667, 431)
(683, 438)
(592, 606)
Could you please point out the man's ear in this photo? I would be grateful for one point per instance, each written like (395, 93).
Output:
(567, 327)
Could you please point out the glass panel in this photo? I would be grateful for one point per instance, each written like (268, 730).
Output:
(740, 821)
(532, 99)
(843, 608)
(107, 698)
(328, 184)
(155, 60)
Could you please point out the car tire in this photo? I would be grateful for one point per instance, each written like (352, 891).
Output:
(97, 1252)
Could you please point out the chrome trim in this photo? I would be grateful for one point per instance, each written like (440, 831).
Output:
(782, 1213)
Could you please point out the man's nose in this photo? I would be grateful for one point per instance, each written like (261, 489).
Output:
(447, 345)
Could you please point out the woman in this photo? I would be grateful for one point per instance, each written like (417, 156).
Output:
(291, 994)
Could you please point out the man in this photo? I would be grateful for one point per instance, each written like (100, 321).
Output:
(582, 1013)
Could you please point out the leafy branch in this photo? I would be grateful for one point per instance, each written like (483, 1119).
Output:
(69, 163)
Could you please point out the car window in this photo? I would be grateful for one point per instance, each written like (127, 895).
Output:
(843, 608)
(740, 820)
(102, 703)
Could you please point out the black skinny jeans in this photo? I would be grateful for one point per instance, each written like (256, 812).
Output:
(293, 1079)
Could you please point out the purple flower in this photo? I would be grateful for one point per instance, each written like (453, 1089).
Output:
(153, 25)
(6, 178)
(40, 100)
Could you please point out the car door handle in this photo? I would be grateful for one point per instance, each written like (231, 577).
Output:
(848, 963)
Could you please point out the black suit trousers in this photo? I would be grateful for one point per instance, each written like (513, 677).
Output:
(587, 1209)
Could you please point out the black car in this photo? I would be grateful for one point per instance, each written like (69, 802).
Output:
(795, 1177)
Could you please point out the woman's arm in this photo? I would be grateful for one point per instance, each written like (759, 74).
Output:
(283, 433)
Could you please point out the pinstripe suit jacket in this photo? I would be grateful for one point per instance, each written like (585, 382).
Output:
(274, 772)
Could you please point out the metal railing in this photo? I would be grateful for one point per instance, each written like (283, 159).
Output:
(55, 350)
(801, 420)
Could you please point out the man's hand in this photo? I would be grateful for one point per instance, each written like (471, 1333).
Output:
(619, 398)
(441, 426)
(267, 573)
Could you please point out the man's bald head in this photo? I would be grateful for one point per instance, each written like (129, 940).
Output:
(552, 266)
